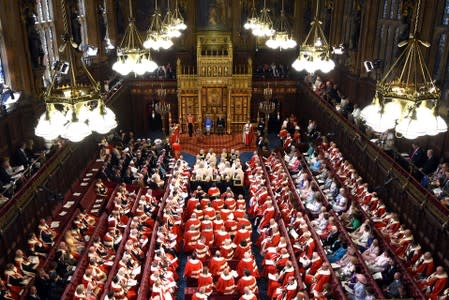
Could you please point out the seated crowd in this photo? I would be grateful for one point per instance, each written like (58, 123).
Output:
(313, 267)
(134, 161)
(14, 171)
(165, 260)
(55, 254)
(389, 250)
(213, 228)
(272, 70)
(221, 171)
(28, 266)
(129, 227)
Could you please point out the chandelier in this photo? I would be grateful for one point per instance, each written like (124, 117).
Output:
(162, 107)
(73, 109)
(253, 19)
(173, 23)
(177, 19)
(131, 56)
(156, 38)
(263, 26)
(406, 97)
(267, 107)
(281, 39)
(314, 53)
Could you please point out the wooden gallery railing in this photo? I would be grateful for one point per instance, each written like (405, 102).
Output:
(419, 210)
(62, 171)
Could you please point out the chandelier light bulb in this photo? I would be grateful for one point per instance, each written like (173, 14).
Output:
(102, 121)
(75, 130)
(327, 65)
(50, 125)
(408, 128)
(393, 109)
(436, 126)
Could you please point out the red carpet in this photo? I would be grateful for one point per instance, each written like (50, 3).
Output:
(217, 142)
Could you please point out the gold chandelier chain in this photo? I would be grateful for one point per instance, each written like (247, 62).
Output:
(131, 10)
(64, 17)
(418, 8)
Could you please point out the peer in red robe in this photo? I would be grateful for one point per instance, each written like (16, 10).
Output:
(226, 283)
(241, 250)
(200, 295)
(319, 280)
(220, 236)
(248, 295)
(214, 191)
(315, 263)
(217, 264)
(190, 238)
(191, 205)
(435, 284)
(81, 294)
(227, 249)
(247, 280)
(248, 263)
(193, 222)
(242, 234)
(201, 249)
(193, 267)
(206, 281)
(288, 290)
(424, 266)
(208, 234)
(268, 214)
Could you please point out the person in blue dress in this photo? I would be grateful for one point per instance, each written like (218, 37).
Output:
(208, 125)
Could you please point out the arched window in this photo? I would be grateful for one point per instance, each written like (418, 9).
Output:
(386, 9)
(45, 25)
(393, 9)
(445, 19)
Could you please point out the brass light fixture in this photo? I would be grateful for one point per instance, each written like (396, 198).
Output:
(73, 109)
(282, 38)
(131, 56)
(263, 26)
(315, 51)
(406, 97)
(156, 37)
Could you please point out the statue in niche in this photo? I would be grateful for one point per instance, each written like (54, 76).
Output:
(329, 6)
(407, 12)
(75, 22)
(119, 17)
(102, 22)
(213, 14)
(34, 40)
(308, 16)
(356, 18)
